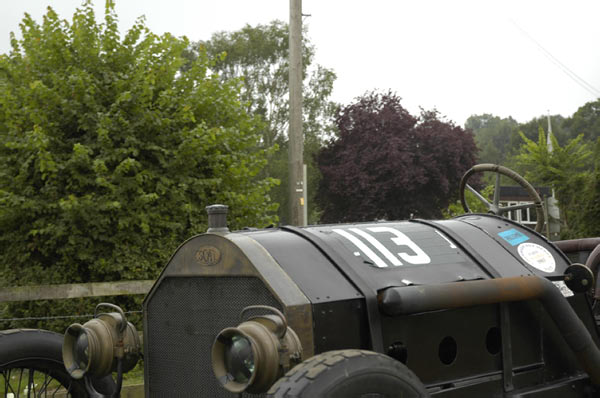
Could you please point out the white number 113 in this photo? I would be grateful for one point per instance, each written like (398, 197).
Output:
(400, 239)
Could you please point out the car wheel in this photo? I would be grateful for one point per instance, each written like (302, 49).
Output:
(31, 366)
(349, 374)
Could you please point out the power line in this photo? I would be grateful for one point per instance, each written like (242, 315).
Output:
(576, 78)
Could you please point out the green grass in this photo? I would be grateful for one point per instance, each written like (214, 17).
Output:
(16, 381)
(135, 375)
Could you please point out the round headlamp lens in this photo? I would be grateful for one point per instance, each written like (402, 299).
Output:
(239, 360)
(81, 350)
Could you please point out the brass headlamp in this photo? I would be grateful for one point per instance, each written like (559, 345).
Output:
(101, 345)
(253, 355)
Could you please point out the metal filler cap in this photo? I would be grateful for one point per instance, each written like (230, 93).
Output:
(217, 218)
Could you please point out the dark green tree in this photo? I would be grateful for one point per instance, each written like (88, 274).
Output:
(109, 152)
(494, 136)
(587, 219)
(499, 139)
(259, 56)
(531, 128)
(586, 121)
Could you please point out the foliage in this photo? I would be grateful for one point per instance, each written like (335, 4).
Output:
(389, 164)
(586, 121)
(494, 136)
(109, 152)
(587, 219)
(499, 141)
(531, 128)
(259, 56)
(475, 205)
(565, 169)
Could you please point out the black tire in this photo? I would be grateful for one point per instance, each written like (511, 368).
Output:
(349, 374)
(31, 354)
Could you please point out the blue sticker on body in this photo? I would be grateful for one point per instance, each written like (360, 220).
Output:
(513, 236)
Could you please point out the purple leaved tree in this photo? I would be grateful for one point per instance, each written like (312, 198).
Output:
(387, 164)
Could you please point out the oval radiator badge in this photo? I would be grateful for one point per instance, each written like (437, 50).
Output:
(208, 255)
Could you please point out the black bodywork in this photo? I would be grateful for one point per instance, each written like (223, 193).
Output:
(329, 281)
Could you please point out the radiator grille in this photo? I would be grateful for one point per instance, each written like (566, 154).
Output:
(183, 318)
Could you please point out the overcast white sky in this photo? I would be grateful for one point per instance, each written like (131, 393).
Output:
(461, 57)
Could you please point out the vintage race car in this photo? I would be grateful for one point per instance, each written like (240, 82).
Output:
(474, 306)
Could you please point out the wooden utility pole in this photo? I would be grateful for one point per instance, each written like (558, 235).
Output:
(296, 141)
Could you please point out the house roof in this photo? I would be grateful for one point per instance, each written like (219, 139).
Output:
(519, 194)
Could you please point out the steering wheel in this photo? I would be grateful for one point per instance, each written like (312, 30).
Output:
(494, 207)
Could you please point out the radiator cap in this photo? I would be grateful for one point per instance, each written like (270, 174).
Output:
(217, 218)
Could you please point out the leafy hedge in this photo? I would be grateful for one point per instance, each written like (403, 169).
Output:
(110, 150)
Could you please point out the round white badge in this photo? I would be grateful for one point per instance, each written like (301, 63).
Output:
(537, 256)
